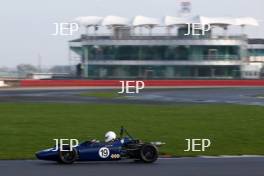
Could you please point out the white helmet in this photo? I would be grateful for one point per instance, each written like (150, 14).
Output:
(109, 136)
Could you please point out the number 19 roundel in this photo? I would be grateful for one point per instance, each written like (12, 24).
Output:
(104, 152)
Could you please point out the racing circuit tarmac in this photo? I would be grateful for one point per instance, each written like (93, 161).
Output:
(247, 96)
(163, 167)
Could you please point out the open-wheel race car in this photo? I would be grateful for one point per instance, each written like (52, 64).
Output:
(124, 147)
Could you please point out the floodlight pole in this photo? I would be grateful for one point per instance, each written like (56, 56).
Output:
(168, 30)
(87, 30)
(86, 65)
(243, 29)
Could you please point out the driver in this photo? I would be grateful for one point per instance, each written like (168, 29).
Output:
(110, 136)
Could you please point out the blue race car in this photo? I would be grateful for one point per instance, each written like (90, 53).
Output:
(120, 148)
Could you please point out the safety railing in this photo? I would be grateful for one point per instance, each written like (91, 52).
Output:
(161, 37)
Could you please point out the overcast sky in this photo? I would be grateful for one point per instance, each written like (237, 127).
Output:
(26, 25)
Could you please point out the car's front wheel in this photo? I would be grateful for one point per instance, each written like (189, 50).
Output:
(148, 153)
(68, 157)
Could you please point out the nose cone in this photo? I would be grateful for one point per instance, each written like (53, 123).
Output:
(48, 154)
(38, 155)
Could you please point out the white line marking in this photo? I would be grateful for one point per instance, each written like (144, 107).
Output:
(221, 156)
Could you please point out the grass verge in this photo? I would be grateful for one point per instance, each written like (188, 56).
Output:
(106, 95)
(261, 96)
(233, 129)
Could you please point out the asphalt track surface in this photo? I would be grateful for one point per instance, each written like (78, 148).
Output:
(247, 96)
(163, 167)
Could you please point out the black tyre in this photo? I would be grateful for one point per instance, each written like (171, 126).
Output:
(149, 153)
(67, 157)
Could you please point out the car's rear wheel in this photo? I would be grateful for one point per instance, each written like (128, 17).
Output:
(148, 153)
(67, 157)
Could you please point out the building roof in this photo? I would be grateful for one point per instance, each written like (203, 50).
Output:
(145, 21)
(89, 20)
(173, 21)
(218, 21)
(167, 21)
(247, 21)
(115, 21)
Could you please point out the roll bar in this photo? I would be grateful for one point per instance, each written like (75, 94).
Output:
(124, 131)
